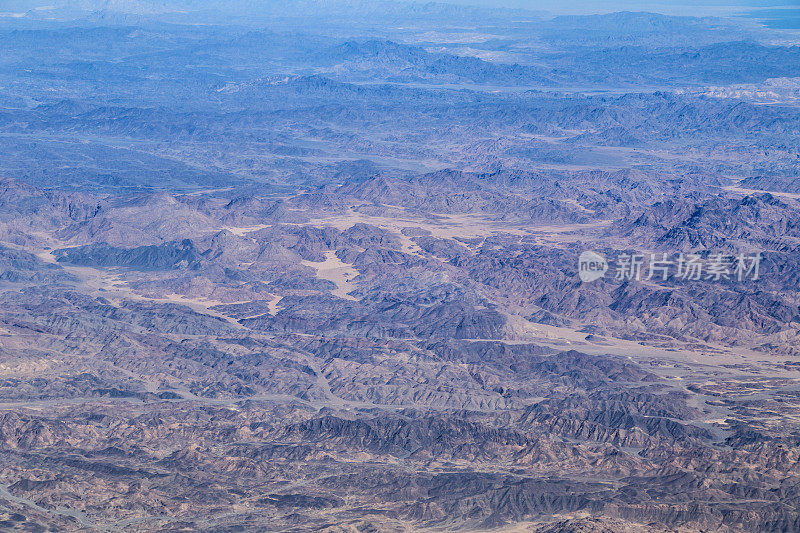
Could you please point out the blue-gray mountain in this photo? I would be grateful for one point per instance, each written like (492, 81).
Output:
(313, 266)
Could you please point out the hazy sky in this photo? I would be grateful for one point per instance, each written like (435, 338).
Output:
(685, 7)
(615, 5)
(678, 7)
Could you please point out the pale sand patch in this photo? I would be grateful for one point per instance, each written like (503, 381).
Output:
(273, 305)
(575, 203)
(111, 286)
(18, 368)
(734, 188)
(335, 270)
(449, 226)
(241, 231)
(520, 330)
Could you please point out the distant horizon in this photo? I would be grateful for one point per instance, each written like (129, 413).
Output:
(680, 7)
(670, 7)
